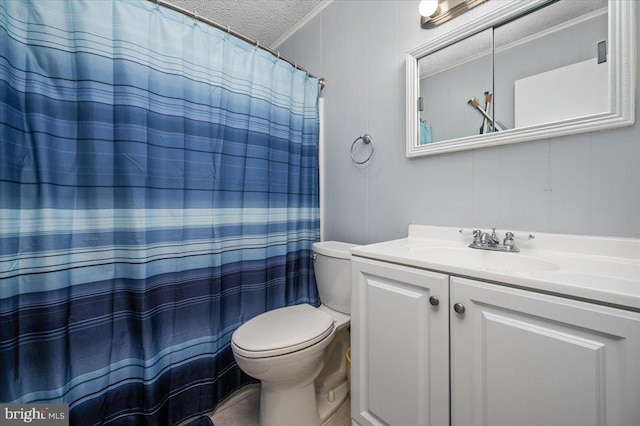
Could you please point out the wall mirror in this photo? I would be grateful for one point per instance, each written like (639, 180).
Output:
(528, 70)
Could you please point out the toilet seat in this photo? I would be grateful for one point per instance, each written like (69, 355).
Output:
(282, 331)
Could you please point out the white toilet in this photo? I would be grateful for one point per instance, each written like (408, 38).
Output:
(298, 352)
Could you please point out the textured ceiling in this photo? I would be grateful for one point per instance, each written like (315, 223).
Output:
(262, 20)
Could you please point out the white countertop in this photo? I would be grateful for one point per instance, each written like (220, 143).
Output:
(599, 269)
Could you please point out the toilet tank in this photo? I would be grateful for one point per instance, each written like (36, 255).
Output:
(332, 266)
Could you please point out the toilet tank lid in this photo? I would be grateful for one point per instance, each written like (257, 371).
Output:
(334, 249)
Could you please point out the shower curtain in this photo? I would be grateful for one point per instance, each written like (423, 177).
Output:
(158, 187)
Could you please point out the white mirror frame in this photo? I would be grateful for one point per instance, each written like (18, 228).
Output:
(622, 82)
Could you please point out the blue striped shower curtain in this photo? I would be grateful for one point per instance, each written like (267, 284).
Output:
(158, 187)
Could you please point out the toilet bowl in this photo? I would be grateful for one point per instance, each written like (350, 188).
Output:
(298, 352)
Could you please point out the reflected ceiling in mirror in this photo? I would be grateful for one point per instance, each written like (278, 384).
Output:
(447, 83)
(546, 65)
(459, 66)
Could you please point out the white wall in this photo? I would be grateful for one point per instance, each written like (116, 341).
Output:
(582, 184)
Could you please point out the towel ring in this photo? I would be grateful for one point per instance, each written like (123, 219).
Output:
(367, 140)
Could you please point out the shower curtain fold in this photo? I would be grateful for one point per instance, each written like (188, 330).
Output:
(158, 188)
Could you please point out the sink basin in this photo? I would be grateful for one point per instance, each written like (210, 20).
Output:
(484, 259)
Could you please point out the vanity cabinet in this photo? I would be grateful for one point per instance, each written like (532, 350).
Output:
(399, 345)
(502, 357)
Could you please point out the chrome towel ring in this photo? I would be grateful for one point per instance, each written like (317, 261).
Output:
(367, 140)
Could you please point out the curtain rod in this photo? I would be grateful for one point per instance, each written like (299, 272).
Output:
(227, 29)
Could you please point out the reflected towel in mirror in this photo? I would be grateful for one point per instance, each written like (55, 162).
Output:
(425, 133)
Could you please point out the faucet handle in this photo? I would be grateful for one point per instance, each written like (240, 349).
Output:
(510, 237)
(524, 237)
(476, 234)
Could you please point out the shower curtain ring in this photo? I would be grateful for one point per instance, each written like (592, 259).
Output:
(195, 17)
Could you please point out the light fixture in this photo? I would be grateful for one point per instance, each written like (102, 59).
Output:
(428, 7)
(443, 10)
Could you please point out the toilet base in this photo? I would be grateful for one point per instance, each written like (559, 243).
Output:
(288, 406)
(301, 405)
(332, 387)
(326, 406)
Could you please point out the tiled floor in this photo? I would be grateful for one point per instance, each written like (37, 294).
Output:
(243, 407)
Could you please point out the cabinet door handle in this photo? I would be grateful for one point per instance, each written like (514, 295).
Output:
(459, 308)
(434, 301)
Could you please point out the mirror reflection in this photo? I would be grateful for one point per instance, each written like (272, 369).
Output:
(547, 66)
(449, 78)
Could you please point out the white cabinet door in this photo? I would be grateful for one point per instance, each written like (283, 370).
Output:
(528, 359)
(400, 346)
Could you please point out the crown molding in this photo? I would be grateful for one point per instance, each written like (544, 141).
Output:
(308, 17)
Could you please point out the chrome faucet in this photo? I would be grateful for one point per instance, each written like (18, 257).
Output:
(489, 240)
(486, 241)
